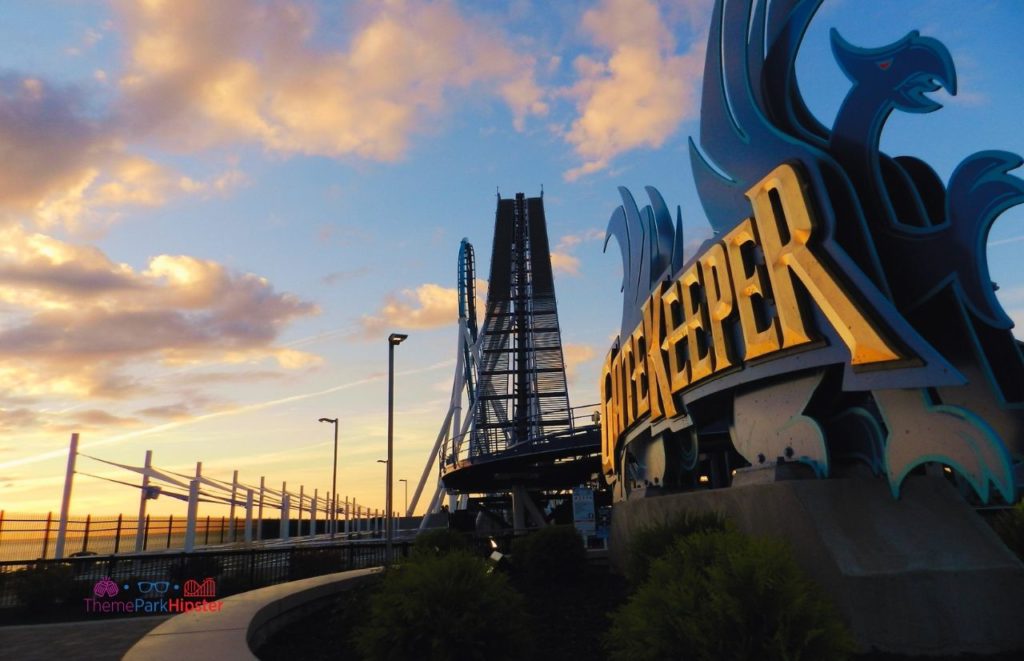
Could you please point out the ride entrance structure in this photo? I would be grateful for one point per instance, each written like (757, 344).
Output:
(510, 444)
(833, 365)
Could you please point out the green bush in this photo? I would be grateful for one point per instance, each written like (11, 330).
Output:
(44, 585)
(1009, 525)
(652, 542)
(440, 541)
(553, 554)
(445, 607)
(722, 595)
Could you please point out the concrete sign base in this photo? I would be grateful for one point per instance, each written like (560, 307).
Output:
(922, 575)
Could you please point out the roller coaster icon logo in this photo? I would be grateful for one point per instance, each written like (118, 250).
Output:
(193, 588)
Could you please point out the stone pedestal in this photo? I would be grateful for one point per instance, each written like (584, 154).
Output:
(922, 575)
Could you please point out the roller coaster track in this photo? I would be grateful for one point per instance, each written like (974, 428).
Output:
(509, 427)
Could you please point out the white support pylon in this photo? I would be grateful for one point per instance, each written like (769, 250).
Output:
(140, 535)
(312, 514)
(234, 492)
(455, 428)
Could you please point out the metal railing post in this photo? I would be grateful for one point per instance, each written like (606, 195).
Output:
(117, 535)
(85, 537)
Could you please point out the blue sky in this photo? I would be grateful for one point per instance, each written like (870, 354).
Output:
(212, 214)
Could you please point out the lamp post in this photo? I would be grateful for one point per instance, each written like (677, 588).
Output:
(334, 477)
(393, 340)
(386, 463)
(406, 510)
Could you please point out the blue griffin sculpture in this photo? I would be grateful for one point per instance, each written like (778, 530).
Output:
(911, 246)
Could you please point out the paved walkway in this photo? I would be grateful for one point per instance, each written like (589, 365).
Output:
(94, 640)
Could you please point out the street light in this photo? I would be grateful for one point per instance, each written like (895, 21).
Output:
(393, 341)
(386, 464)
(406, 510)
(334, 478)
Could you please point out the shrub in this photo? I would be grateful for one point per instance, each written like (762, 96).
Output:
(440, 541)
(43, 585)
(444, 607)
(553, 554)
(722, 595)
(652, 542)
(1009, 525)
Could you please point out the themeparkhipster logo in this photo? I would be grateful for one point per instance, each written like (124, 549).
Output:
(153, 597)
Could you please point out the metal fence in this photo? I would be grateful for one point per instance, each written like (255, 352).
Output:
(31, 536)
(66, 584)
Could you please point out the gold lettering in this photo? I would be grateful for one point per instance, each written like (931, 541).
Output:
(608, 435)
(781, 194)
(675, 334)
(660, 394)
(617, 413)
(641, 391)
(695, 321)
(628, 360)
(748, 284)
(718, 290)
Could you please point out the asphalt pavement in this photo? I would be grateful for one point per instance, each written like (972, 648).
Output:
(95, 640)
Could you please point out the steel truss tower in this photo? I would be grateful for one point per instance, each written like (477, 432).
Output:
(518, 431)
(522, 392)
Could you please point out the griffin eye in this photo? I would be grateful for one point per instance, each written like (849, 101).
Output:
(884, 66)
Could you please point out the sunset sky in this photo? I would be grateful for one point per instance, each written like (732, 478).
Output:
(213, 213)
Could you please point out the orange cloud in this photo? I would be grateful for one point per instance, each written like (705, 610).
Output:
(565, 263)
(99, 195)
(640, 94)
(562, 261)
(48, 145)
(575, 355)
(226, 70)
(63, 167)
(77, 317)
(427, 306)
